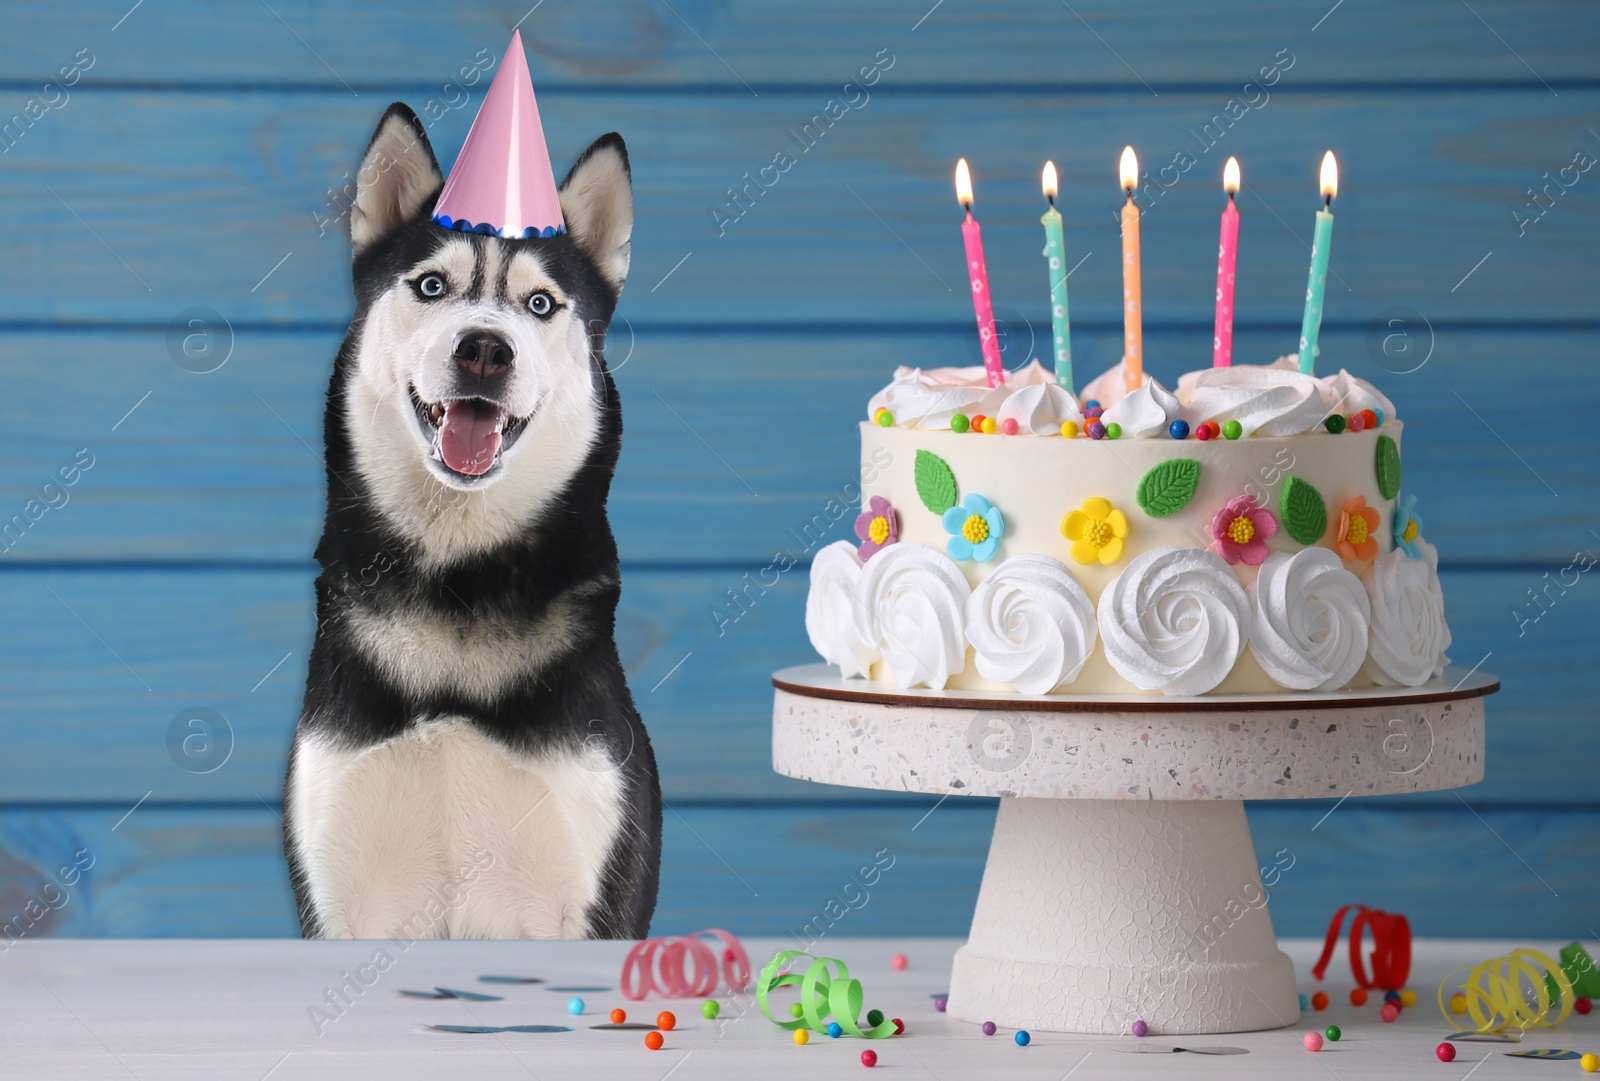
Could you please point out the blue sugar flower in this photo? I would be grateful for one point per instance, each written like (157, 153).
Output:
(975, 529)
(1407, 526)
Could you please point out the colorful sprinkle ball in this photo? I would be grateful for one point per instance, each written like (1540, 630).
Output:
(1069, 429)
(802, 1037)
(1093, 411)
(1178, 429)
(1334, 424)
(1096, 430)
(1312, 1040)
(959, 423)
(885, 419)
(1333, 1032)
(795, 1009)
(1458, 1003)
(1022, 1037)
(988, 1028)
(1358, 996)
(1391, 996)
(869, 1058)
(989, 426)
(1319, 1001)
(1232, 429)
(1377, 415)
(1389, 1012)
(1139, 1028)
(1092, 403)
(710, 1008)
(654, 1040)
(1216, 429)
(1446, 1052)
(1202, 432)
(941, 1003)
(1590, 1063)
(1369, 419)
(835, 1030)
(977, 422)
(618, 1016)
(1355, 422)
(899, 1025)
(1007, 427)
(1582, 1004)
(1408, 998)
(666, 1021)
(1305, 1003)
(1113, 430)
(874, 1018)
(574, 1006)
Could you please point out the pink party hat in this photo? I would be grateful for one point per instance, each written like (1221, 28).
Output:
(501, 184)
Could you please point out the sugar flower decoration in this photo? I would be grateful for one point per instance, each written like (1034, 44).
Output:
(1241, 529)
(1407, 526)
(1096, 530)
(975, 529)
(877, 527)
(1355, 533)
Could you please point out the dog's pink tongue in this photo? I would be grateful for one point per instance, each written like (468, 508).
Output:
(470, 436)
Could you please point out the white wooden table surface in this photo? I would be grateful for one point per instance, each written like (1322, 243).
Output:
(220, 1009)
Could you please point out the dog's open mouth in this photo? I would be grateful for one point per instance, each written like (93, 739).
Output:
(468, 434)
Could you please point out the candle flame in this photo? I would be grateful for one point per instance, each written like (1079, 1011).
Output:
(1230, 176)
(1330, 176)
(963, 184)
(1048, 181)
(1130, 169)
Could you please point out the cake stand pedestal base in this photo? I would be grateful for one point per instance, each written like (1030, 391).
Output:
(1097, 913)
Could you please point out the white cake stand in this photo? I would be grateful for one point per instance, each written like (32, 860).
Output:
(1122, 883)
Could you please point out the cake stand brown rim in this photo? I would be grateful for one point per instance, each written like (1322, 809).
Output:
(1217, 704)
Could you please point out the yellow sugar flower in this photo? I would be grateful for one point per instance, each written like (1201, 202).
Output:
(1096, 530)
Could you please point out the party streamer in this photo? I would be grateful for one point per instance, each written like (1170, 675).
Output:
(1391, 954)
(1508, 991)
(822, 995)
(685, 966)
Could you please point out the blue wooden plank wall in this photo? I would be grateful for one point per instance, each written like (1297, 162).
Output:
(174, 155)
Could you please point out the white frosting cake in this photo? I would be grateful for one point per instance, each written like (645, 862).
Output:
(1279, 556)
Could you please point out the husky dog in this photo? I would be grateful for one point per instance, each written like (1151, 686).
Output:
(469, 762)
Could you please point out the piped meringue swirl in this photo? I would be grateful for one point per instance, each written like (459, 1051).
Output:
(1265, 401)
(1409, 633)
(830, 608)
(1145, 413)
(1040, 409)
(1175, 620)
(909, 607)
(1030, 624)
(1310, 620)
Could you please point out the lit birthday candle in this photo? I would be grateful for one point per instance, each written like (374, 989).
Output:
(1321, 241)
(1132, 321)
(1227, 260)
(979, 275)
(1055, 260)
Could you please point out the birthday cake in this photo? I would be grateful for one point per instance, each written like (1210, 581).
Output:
(1244, 532)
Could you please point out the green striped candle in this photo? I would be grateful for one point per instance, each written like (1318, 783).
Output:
(1321, 241)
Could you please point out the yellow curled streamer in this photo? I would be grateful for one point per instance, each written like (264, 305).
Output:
(1510, 991)
(821, 995)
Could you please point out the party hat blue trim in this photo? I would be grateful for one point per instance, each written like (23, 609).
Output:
(461, 225)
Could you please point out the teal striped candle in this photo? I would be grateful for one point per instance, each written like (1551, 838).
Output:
(1321, 242)
(1056, 262)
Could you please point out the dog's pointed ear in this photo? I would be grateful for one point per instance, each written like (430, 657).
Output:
(597, 202)
(398, 174)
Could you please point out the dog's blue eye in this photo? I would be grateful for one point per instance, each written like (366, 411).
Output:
(541, 303)
(431, 285)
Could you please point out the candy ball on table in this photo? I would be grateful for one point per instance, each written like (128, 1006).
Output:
(1590, 1063)
(1391, 996)
(898, 962)
(1408, 999)
(874, 1018)
(1312, 1040)
(1458, 1003)
(1305, 1003)
(710, 1008)
(899, 1025)
(1333, 1032)
(654, 1040)
(1022, 1037)
(575, 1006)
(1139, 1028)
(988, 1028)
(1446, 1052)
(869, 1057)
(941, 1003)
(1582, 1004)
(835, 1030)
(1358, 997)
(666, 1021)
(1389, 1012)
(1319, 1001)
(795, 1009)
(802, 1037)
(618, 1016)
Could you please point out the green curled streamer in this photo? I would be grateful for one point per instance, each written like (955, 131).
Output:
(821, 995)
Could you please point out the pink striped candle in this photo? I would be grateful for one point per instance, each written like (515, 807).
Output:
(978, 273)
(1227, 260)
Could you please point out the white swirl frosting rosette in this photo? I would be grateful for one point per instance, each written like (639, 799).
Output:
(909, 607)
(1144, 413)
(1030, 624)
(1040, 409)
(1310, 620)
(1175, 620)
(1409, 634)
(830, 610)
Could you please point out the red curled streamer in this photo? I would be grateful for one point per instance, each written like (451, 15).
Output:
(685, 966)
(1391, 954)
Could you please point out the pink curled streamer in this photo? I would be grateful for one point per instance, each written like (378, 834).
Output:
(685, 966)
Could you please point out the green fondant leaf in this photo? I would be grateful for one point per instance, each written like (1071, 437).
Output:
(1388, 468)
(1168, 486)
(1303, 511)
(935, 483)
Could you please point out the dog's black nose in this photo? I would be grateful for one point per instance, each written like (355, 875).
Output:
(483, 353)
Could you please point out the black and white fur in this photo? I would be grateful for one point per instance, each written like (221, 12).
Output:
(469, 762)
